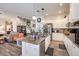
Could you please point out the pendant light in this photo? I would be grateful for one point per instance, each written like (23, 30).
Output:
(34, 17)
(43, 14)
(42, 11)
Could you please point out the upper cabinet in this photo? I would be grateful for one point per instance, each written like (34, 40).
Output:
(74, 12)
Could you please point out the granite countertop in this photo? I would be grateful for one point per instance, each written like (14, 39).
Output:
(29, 39)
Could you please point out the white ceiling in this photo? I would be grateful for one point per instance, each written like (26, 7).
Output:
(26, 9)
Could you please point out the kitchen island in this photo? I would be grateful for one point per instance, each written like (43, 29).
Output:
(36, 47)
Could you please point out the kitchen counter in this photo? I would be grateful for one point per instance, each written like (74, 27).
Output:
(29, 39)
(37, 47)
(58, 36)
(71, 47)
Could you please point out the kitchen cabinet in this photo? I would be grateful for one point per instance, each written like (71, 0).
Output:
(29, 49)
(72, 49)
(74, 12)
(47, 42)
(35, 48)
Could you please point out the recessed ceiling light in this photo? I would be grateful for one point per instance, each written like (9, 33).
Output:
(46, 14)
(59, 12)
(61, 4)
(70, 9)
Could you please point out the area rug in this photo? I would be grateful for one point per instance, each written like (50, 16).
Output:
(62, 46)
(49, 51)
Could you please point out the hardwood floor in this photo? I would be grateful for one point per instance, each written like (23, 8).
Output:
(9, 49)
(57, 51)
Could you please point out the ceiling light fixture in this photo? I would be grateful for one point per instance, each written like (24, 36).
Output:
(60, 4)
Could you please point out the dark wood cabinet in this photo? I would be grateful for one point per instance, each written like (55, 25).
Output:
(76, 23)
(77, 36)
(76, 32)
